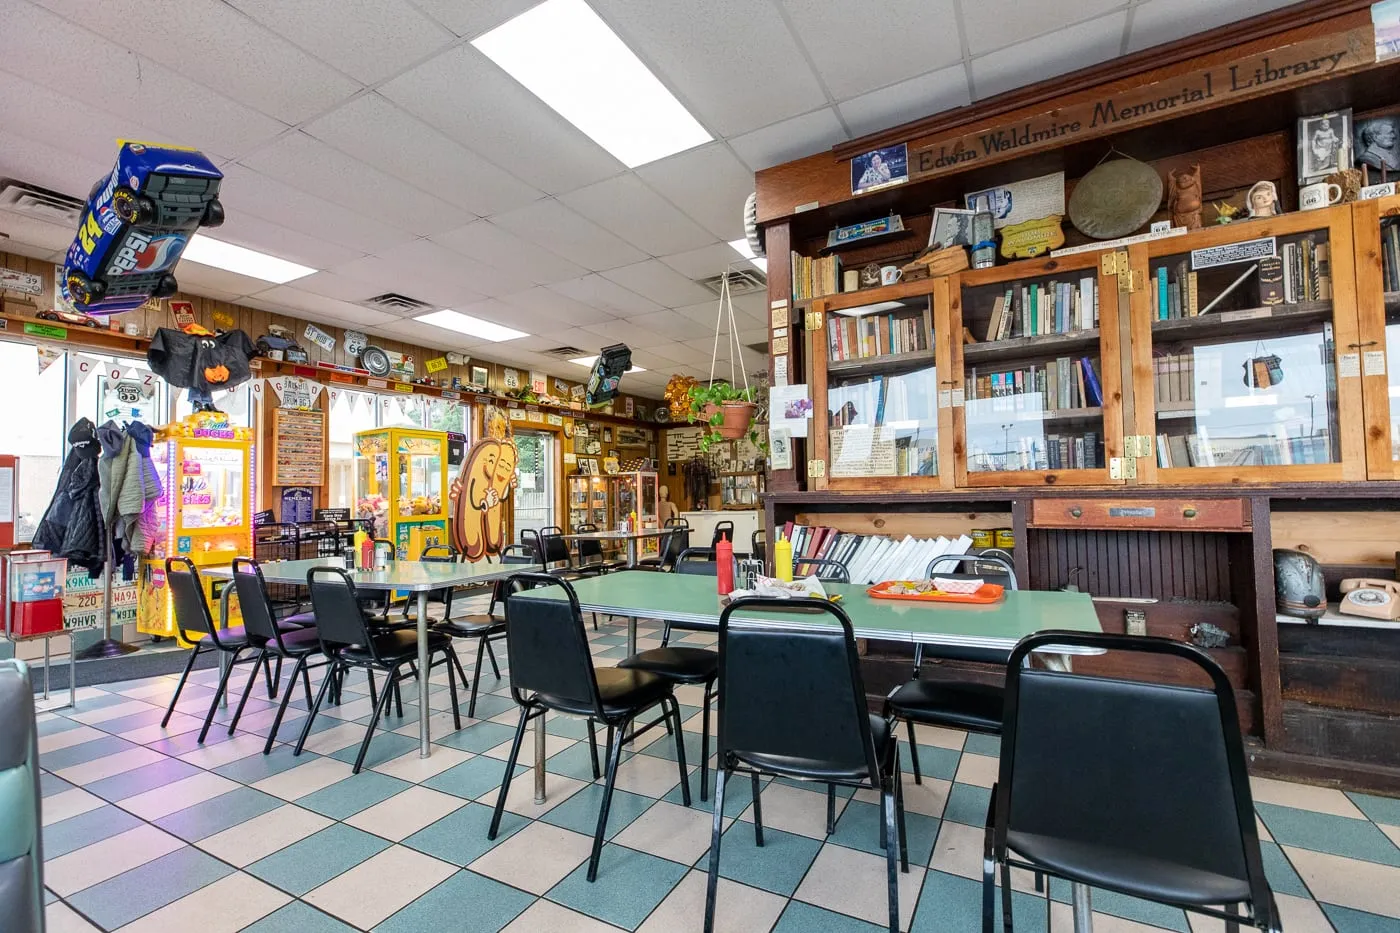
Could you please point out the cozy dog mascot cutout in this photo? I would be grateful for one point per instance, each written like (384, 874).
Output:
(482, 490)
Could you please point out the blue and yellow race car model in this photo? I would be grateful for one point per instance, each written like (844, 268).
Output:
(136, 225)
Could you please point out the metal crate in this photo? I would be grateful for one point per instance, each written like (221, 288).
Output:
(278, 541)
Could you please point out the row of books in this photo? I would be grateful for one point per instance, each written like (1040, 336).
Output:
(870, 558)
(851, 338)
(1175, 293)
(1040, 309)
(815, 278)
(881, 399)
(1051, 452)
(1174, 378)
(1300, 272)
(1063, 383)
(1286, 446)
(1390, 255)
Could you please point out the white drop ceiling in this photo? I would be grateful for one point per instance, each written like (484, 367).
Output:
(370, 140)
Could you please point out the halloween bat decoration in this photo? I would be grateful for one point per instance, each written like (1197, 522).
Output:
(201, 362)
(481, 493)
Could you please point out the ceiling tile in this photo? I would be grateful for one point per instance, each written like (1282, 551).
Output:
(132, 86)
(995, 24)
(673, 325)
(321, 309)
(858, 46)
(374, 131)
(705, 262)
(792, 139)
(314, 167)
(655, 280)
(550, 224)
(424, 266)
(214, 44)
(429, 337)
(41, 164)
(550, 305)
(255, 233)
(368, 41)
(562, 336)
(733, 63)
(909, 100)
(473, 17)
(30, 236)
(485, 242)
(337, 286)
(605, 295)
(709, 183)
(625, 332)
(1038, 59)
(1158, 21)
(197, 278)
(624, 205)
(246, 190)
(466, 96)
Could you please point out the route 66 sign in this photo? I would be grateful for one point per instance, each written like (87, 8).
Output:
(355, 341)
(128, 393)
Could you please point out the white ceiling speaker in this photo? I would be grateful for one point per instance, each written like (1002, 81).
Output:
(751, 229)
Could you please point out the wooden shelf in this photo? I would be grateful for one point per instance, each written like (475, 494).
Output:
(887, 237)
(1334, 618)
(1044, 345)
(1248, 321)
(869, 365)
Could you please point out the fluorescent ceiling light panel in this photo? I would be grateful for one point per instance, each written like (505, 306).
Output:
(590, 360)
(448, 319)
(741, 246)
(210, 252)
(569, 58)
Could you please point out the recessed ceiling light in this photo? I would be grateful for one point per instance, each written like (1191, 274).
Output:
(210, 252)
(448, 319)
(741, 246)
(569, 58)
(590, 360)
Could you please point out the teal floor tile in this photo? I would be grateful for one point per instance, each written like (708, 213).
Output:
(941, 763)
(798, 917)
(580, 811)
(385, 746)
(1282, 878)
(953, 904)
(120, 900)
(480, 737)
(187, 742)
(50, 784)
(84, 752)
(1347, 920)
(460, 837)
(576, 763)
(472, 778)
(978, 744)
(84, 829)
(255, 767)
(1380, 809)
(347, 797)
(140, 780)
(568, 726)
(1323, 832)
(218, 813)
(858, 827)
(55, 725)
(737, 796)
(150, 717)
(466, 902)
(967, 803)
(488, 706)
(778, 866)
(1129, 908)
(318, 858)
(298, 917)
(629, 886)
(665, 746)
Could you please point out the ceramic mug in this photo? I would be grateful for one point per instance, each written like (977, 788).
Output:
(1311, 197)
(891, 274)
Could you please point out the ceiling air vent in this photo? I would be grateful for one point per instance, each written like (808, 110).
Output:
(566, 353)
(741, 282)
(395, 303)
(39, 203)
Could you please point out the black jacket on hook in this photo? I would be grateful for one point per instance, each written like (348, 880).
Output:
(72, 525)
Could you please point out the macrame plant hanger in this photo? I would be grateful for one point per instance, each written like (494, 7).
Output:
(732, 346)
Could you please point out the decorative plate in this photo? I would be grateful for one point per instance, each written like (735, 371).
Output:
(1115, 198)
(663, 415)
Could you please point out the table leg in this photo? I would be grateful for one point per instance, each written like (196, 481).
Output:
(424, 670)
(631, 553)
(539, 758)
(631, 635)
(1083, 908)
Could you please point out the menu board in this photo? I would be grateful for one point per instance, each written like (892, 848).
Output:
(298, 447)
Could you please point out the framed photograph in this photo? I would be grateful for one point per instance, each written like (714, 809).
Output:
(880, 169)
(780, 449)
(1324, 145)
(607, 435)
(479, 375)
(1377, 142)
(951, 227)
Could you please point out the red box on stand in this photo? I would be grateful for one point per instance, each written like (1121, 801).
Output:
(34, 592)
(37, 618)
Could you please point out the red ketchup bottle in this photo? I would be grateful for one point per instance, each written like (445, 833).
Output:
(367, 554)
(724, 566)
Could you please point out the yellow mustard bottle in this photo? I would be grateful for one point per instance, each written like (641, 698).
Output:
(782, 559)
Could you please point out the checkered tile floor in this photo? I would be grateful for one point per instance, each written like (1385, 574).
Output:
(146, 830)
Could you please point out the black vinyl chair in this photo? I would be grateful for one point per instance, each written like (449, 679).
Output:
(275, 641)
(590, 554)
(670, 551)
(530, 538)
(792, 703)
(758, 545)
(488, 627)
(723, 529)
(1181, 827)
(552, 669)
(435, 554)
(349, 640)
(824, 569)
(697, 560)
(957, 704)
(196, 625)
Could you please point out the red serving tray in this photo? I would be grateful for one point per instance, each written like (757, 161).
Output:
(988, 593)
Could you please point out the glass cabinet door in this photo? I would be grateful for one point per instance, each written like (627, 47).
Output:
(1377, 232)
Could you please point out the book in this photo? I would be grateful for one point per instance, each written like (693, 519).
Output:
(1093, 391)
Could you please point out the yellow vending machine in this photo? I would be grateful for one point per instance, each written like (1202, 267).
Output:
(207, 479)
(401, 484)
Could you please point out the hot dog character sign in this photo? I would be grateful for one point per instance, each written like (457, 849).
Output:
(482, 490)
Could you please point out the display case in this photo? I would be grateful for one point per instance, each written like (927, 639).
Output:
(739, 466)
(1376, 233)
(635, 495)
(205, 465)
(401, 486)
(588, 501)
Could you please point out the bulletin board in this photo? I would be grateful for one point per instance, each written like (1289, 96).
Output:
(298, 447)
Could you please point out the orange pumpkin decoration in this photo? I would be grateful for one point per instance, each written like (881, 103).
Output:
(216, 375)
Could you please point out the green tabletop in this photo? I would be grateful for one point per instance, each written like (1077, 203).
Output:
(692, 600)
(411, 575)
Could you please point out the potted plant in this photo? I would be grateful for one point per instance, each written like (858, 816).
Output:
(726, 411)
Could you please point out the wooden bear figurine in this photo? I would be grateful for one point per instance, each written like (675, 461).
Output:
(1184, 198)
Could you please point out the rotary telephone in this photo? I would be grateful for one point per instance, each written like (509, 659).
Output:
(1375, 599)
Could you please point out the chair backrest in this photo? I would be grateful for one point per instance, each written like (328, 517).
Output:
(697, 560)
(339, 618)
(793, 694)
(676, 544)
(758, 545)
(589, 552)
(548, 530)
(253, 602)
(530, 538)
(824, 569)
(548, 645)
(556, 549)
(723, 529)
(192, 618)
(385, 543)
(518, 554)
(1169, 757)
(439, 554)
(22, 843)
(1003, 566)
(676, 521)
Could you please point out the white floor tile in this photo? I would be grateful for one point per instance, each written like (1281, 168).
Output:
(738, 908)
(68, 803)
(378, 887)
(226, 906)
(536, 858)
(186, 792)
(110, 765)
(405, 813)
(295, 783)
(262, 835)
(71, 873)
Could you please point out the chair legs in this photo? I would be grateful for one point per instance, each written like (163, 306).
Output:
(189, 666)
(495, 668)
(614, 756)
(286, 698)
(757, 810)
(525, 717)
(259, 662)
(320, 695)
(452, 662)
(680, 747)
(374, 720)
(593, 750)
(223, 685)
(830, 809)
(705, 738)
(887, 800)
(914, 752)
(716, 831)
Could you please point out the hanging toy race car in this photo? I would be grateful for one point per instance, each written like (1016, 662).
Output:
(136, 225)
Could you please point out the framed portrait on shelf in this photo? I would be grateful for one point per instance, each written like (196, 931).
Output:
(1324, 145)
(880, 168)
(1377, 142)
(951, 227)
(479, 376)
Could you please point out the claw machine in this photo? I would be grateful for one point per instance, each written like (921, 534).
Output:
(205, 465)
(401, 485)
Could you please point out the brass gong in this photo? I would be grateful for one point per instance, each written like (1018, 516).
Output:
(1115, 198)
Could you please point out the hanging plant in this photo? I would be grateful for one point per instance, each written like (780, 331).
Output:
(678, 395)
(726, 412)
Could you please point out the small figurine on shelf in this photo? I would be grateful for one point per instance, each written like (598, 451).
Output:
(1225, 212)
(1184, 199)
(1262, 200)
